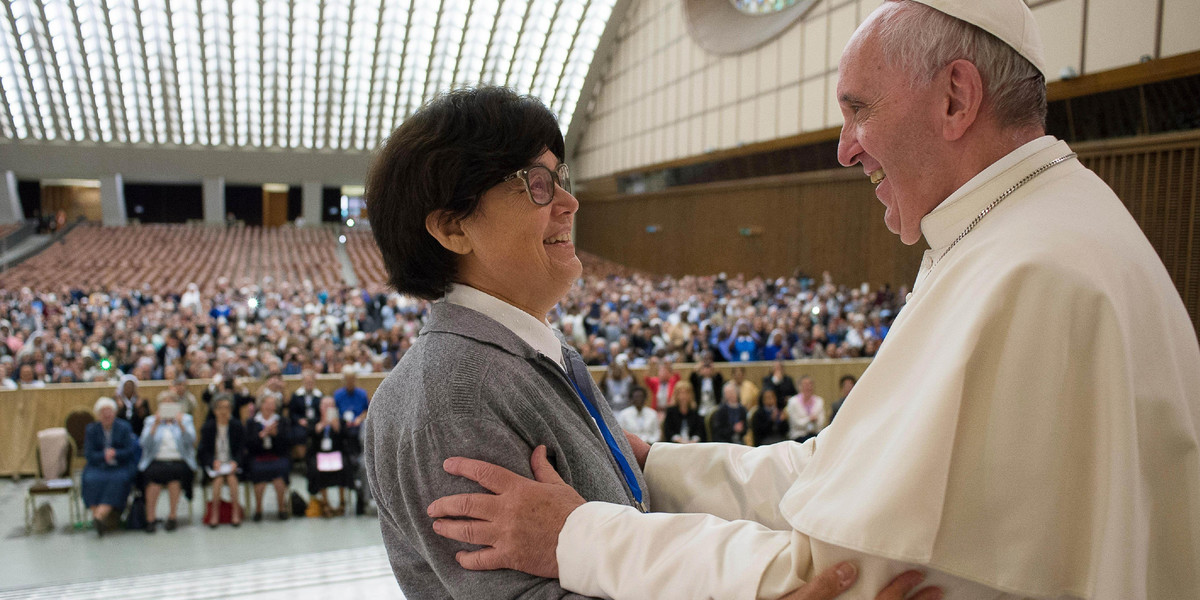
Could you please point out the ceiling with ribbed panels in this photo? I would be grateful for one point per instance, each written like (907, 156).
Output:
(311, 74)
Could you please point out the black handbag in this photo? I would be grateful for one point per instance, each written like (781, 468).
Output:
(136, 517)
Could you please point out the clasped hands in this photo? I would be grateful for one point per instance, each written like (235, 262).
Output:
(518, 525)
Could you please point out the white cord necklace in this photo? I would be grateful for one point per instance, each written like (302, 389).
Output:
(1016, 186)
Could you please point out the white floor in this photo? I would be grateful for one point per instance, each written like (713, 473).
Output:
(297, 559)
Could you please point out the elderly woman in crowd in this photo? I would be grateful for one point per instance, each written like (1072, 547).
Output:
(326, 454)
(112, 451)
(221, 453)
(269, 445)
(130, 405)
(168, 457)
(470, 203)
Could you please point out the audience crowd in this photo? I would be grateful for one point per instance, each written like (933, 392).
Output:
(252, 329)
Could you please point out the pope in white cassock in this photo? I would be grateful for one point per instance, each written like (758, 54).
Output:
(1029, 428)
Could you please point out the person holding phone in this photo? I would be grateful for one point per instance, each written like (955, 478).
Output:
(326, 458)
(168, 457)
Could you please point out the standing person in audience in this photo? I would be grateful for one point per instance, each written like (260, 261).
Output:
(27, 378)
(682, 424)
(618, 384)
(769, 423)
(268, 455)
(846, 383)
(187, 400)
(351, 401)
(305, 404)
(130, 405)
(221, 454)
(748, 391)
(662, 384)
(779, 381)
(168, 458)
(639, 419)
(806, 412)
(112, 451)
(707, 384)
(729, 420)
(328, 465)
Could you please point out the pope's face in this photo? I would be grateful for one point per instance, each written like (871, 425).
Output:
(519, 251)
(890, 128)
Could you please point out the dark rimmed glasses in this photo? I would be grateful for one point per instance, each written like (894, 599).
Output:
(540, 182)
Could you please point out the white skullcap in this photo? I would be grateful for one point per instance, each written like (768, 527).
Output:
(1009, 20)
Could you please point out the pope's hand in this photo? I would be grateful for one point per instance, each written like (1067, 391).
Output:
(517, 525)
(838, 578)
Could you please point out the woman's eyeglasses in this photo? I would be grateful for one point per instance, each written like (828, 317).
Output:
(540, 182)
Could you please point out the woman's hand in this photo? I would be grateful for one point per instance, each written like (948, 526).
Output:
(640, 449)
(838, 578)
(110, 455)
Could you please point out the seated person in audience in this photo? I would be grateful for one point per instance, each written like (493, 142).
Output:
(662, 385)
(729, 420)
(327, 462)
(682, 423)
(707, 384)
(777, 347)
(639, 419)
(779, 381)
(112, 453)
(806, 412)
(168, 457)
(305, 404)
(617, 384)
(6, 382)
(769, 423)
(131, 406)
(268, 455)
(222, 450)
(743, 345)
(273, 387)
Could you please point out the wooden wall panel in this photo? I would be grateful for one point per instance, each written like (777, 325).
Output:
(810, 222)
(832, 220)
(1158, 180)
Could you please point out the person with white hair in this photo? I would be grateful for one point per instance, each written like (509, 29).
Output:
(1030, 428)
(112, 453)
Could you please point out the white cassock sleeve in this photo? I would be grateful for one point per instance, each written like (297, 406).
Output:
(729, 499)
(728, 520)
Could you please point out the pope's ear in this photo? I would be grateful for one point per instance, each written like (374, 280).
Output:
(964, 98)
(448, 231)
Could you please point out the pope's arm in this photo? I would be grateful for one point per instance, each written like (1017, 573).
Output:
(728, 481)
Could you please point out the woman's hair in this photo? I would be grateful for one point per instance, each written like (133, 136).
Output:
(104, 402)
(680, 388)
(444, 157)
(222, 397)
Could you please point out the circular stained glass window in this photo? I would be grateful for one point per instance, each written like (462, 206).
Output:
(735, 26)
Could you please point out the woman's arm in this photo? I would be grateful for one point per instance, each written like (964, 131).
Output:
(406, 476)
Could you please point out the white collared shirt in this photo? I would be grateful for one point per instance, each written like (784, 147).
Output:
(537, 333)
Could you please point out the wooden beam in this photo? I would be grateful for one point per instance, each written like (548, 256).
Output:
(1154, 71)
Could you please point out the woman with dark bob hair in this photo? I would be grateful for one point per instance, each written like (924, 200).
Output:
(471, 206)
(470, 203)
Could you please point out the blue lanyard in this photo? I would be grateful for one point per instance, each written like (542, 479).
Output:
(630, 478)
